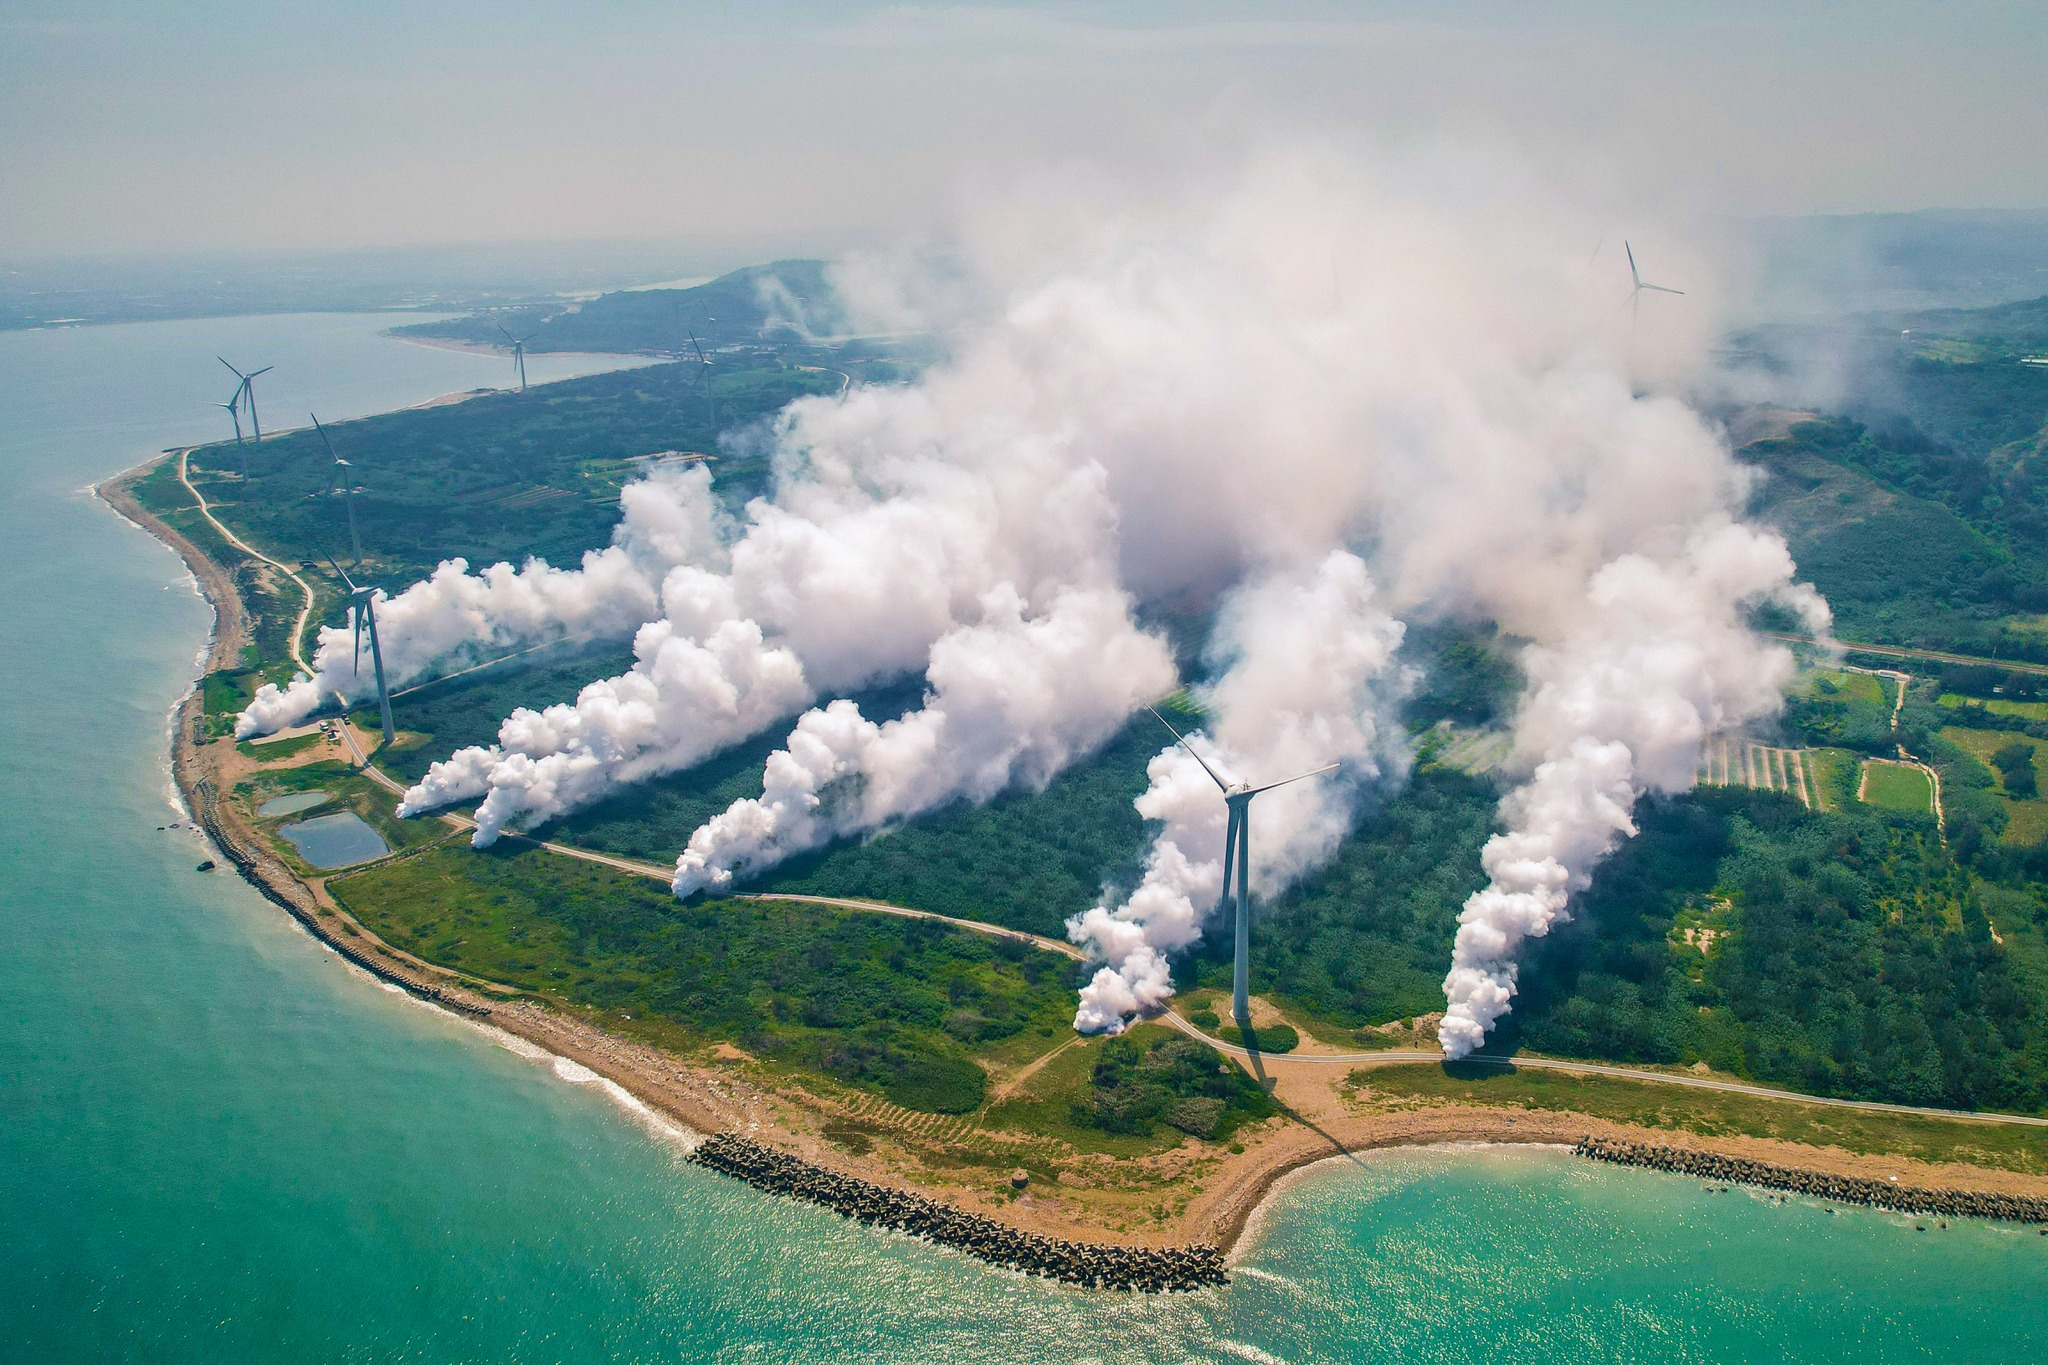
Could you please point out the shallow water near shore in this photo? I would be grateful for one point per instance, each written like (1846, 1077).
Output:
(217, 1142)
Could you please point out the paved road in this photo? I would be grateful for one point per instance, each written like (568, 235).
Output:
(1368, 1059)
(1934, 655)
(206, 510)
(1051, 945)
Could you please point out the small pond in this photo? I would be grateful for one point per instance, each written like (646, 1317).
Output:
(331, 841)
(291, 805)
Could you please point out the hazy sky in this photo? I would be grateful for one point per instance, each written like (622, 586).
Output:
(279, 124)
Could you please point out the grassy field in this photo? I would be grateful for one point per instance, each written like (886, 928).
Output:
(1897, 786)
(901, 1006)
(2027, 820)
(2032, 710)
(2005, 1146)
(1832, 775)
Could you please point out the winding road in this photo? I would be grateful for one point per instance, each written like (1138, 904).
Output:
(1395, 1056)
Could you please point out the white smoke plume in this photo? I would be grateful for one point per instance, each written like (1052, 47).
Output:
(1014, 699)
(669, 518)
(1660, 660)
(1309, 679)
(1340, 387)
(850, 575)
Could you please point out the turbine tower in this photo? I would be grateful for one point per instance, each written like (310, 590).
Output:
(1237, 857)
(1640, 286)
(248, 391)
(234, 410)
(363, 608)
(704, 376)
(518, 352)
(362, 601)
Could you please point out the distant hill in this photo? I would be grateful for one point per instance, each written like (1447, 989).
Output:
(781, 302)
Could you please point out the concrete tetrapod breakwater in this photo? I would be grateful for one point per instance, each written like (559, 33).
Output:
(1156, 1270)
(1842, 1189)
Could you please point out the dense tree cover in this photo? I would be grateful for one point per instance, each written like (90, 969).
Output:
(1849, 955)
(503, 476)
(2015, 764)
(1165, 1078)
(901, 1005)
(1894, 567)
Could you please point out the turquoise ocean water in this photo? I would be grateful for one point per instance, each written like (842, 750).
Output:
(219, 1144)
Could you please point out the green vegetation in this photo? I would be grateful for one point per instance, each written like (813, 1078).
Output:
(1897, 786)
(1914, 542)
(1274, 1038)
(900, 1006)
(2015, 764)
(1140, 1082)
(348, 790)
(748, 306)
(1365, 939)
(1843, 710)
(1712, 1113)
(441, 717)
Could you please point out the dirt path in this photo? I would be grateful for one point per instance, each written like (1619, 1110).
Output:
(1364, 1060)
(206, 510)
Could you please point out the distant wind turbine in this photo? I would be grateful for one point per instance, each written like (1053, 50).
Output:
(1237, 857)
(1640, 286)
(704, 374)
(518, 353)
(247, 392)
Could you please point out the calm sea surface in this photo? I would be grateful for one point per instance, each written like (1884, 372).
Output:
(218, 1143)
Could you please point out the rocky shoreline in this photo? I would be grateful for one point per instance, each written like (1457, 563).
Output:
(1841, 1189)
(1153, 1270)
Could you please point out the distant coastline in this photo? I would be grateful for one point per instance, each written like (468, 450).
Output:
(709, 1100)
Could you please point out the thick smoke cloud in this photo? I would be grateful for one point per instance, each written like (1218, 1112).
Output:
(1308, 679)
(1334, 391)
(668, 518)
(1014, 699)
(1659, 660)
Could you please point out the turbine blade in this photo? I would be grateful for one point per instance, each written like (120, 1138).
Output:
(265, 370)
(1632, 265)
(357, 614)
(233, 371)
(324, 441)
(1661, 289)
(1221, 785)
(338, 571)
(1326, 768)
(501, 327)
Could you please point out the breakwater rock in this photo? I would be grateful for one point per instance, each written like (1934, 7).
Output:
(1154, 1270)
(1842, 1189)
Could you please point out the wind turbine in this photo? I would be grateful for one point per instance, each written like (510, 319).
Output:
(1237, 857)
(1640, 286)
(518, 352)
(704, 375)
(345, 482)
(248, 391)
(363, 608)
(362, 601)
(234, 410)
